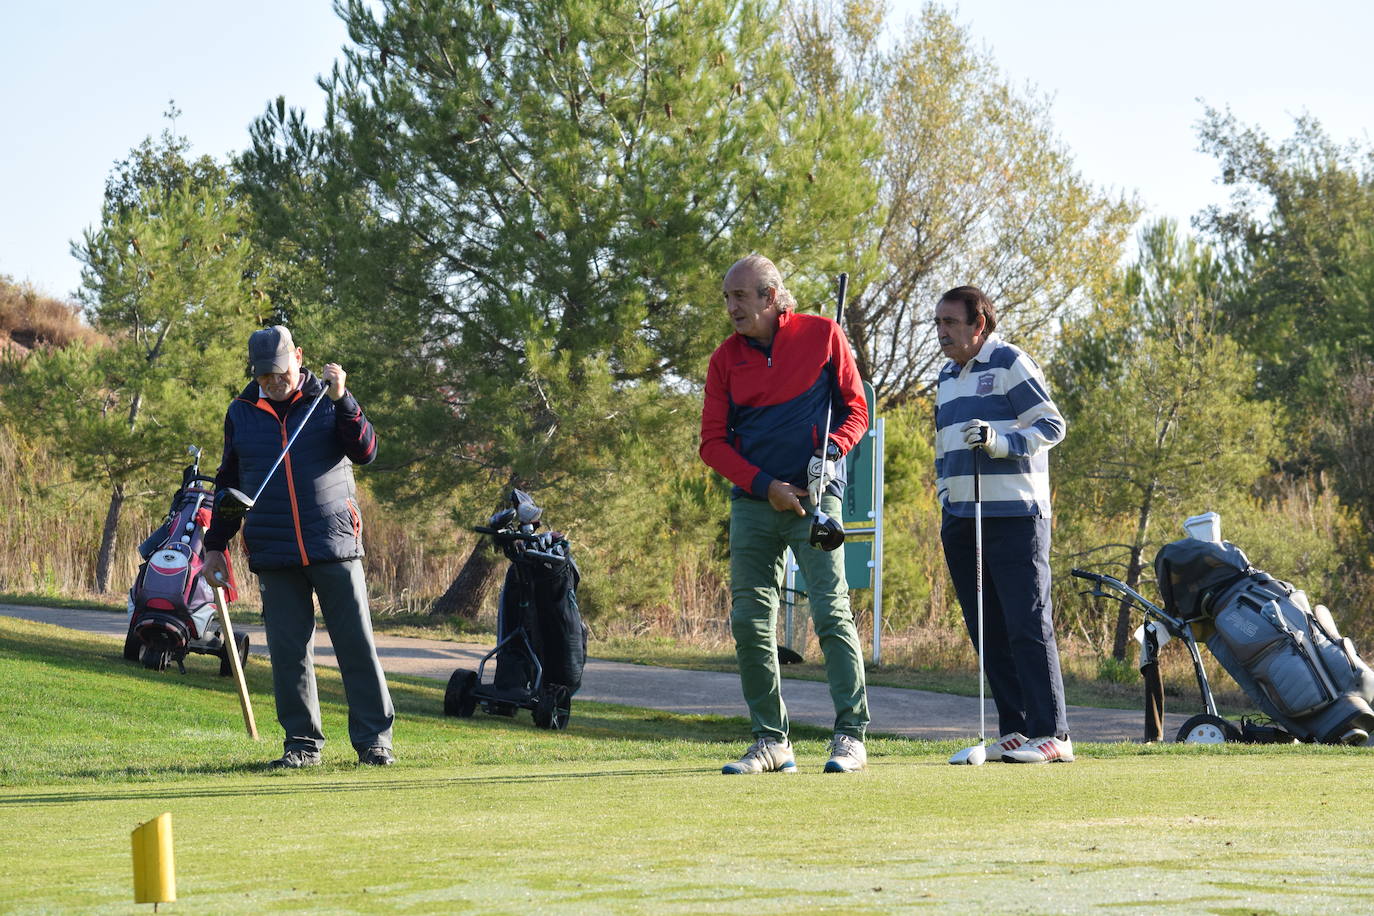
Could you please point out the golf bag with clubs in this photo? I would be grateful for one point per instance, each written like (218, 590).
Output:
(171, 606)
(541, 641)
(1287, 656)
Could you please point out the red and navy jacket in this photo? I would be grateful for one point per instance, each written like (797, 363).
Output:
(309, 511)
(764, 414)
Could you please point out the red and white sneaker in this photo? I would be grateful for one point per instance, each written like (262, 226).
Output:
(1005, 744)
(1042, 750)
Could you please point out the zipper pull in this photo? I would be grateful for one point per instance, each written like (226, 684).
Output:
(770, 362)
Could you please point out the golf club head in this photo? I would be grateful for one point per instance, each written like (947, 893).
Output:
(826, 533)
(974, 756)
(232, 503)
(501, 519)
(525, 509)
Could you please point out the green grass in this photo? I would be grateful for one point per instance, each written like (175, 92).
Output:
(1180, 690)
(627, 811)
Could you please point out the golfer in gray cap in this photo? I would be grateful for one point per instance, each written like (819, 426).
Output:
(303, 537)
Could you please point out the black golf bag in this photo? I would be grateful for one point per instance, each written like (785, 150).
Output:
(171, 605)
(1288, 657)
(541, 641)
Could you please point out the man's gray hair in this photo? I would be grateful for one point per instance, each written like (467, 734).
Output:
(769, 278)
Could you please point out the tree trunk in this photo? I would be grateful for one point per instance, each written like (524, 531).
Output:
(1123, 616)
(108, 539)
(475, 581)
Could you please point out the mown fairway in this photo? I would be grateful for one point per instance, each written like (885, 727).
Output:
(627, 811)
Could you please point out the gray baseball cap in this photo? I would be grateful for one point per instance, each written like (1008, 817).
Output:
(269, 351)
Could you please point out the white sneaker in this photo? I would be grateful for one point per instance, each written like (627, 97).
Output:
(1008, 742)
(1042, 750)
(847, 755)
(766, 755)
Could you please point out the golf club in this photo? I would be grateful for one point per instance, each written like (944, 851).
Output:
(826, 532)
(234, 503)
(977, 754)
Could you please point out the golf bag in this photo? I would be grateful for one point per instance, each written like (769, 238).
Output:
(541, 641)
(1288, 657)
(540, 597)
(171, 605)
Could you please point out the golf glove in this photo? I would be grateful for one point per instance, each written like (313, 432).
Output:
(980, 434)
(820, 471)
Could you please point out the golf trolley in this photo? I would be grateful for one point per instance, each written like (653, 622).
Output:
(1287, 655)
(171, 607)
(1205, 728)
(541, 644)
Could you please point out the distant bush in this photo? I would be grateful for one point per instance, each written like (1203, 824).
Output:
(29, 319)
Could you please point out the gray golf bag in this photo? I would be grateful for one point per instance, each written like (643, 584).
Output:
(1288, 657)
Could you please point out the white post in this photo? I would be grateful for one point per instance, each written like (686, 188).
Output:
(877, 561)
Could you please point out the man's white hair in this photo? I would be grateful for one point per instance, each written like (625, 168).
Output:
(769, 277)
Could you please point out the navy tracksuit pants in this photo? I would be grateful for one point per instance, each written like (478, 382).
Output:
(1020, 656)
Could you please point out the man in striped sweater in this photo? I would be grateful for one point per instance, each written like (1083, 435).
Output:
(993, 413)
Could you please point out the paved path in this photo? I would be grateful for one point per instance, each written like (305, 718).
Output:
(895, 711)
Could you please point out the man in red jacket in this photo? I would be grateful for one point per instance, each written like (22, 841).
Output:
(768, 390)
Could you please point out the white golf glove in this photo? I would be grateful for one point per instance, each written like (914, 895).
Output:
(819, 473)
(980, 434)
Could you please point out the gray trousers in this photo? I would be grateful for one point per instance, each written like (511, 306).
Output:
(289, 615)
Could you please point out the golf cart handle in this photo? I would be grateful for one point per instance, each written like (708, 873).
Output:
(1113, 583)
(1100, 579)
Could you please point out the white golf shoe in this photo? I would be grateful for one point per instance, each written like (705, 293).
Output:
(1005, 744)
(847, 755)
(1042, 750)
(766, 755)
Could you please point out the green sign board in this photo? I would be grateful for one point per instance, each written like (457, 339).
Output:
(857, 572)
(859, 465)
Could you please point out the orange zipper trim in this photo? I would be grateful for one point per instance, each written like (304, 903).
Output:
(290, 480)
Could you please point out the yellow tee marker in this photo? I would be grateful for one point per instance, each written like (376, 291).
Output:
(155, 879)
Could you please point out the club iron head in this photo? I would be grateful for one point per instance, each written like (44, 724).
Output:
(974, 756)
(232, 503)
(826, 533)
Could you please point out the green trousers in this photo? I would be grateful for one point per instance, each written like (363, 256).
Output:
(758, 536)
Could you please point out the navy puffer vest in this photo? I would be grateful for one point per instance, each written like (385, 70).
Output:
(309, 511)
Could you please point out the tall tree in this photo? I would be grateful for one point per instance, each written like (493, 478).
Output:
(1160, 408)
(1299, 230)
(975, 188)
(165, 279)
(523, 209)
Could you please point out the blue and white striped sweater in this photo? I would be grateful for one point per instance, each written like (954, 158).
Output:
(1005, 387)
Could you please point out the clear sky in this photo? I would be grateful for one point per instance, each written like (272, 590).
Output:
(84, 81)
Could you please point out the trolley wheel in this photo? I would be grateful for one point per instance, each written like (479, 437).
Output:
(240, 640)
(132, 646)
(553, 707)
(155, 659)
(1205, 728)
(459, 699)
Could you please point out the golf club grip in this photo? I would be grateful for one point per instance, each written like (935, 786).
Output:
(839, 299)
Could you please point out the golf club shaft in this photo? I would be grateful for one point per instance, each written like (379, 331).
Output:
(289, 442)
(231, 650)
(830, 401)
(978, 589)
